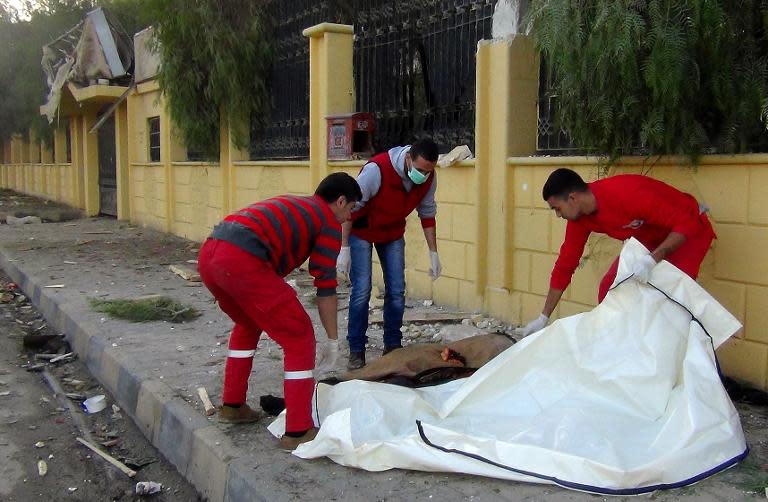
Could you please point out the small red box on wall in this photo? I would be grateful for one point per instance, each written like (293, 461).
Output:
(350, 136)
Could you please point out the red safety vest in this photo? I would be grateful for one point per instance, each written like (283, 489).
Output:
(382, 219)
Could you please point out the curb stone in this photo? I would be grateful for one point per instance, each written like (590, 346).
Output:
(200, 451)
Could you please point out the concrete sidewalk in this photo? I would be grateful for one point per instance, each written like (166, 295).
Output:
(154, 368)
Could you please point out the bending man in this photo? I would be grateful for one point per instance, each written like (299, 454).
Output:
(243, 263)
(667, 221)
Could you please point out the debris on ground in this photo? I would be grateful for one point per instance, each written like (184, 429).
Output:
(109, 458)
(151, 308)
(148, 488)
(12, 220)
(186, 273)
(209, 408)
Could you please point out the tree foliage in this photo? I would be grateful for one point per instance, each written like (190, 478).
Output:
(657, 76)
(215, 60)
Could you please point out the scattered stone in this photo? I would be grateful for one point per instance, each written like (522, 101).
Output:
(26, 220)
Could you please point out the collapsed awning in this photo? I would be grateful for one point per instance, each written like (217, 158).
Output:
(94, 53)
(625, 399)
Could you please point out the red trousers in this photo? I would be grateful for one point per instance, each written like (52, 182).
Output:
(257, 299)
(687, 258)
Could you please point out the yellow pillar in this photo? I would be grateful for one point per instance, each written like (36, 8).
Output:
(166, 156)
(505, 125)
(121, 161)
(59, 158)
(92, 204)
(78, 182)
(331, 88)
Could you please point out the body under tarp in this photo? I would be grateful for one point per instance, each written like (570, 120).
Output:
(624, 399)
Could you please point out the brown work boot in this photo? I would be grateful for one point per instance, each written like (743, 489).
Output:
(356, 360)
(289, 443)
(242, 415)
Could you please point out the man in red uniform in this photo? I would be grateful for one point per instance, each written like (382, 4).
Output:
(668, 222)
(243, 263)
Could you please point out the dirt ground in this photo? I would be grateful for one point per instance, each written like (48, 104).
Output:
(121, 251)
(35, 425)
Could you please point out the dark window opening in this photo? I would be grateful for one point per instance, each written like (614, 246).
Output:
(153, 125)
(69, 143)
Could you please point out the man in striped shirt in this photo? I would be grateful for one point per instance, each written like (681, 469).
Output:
(243, 264)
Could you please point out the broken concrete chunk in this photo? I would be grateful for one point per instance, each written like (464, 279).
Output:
(12, 220)
(186, 273)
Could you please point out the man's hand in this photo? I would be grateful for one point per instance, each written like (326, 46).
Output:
(435, 268)
(641, 269)
(532, 327)
(327, 358)
(343, 262)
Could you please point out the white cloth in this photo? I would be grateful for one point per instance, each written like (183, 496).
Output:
(641, 268)
(623, 399)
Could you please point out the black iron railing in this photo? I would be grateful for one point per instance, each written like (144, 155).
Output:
(551, 139)
(414, 67)
(287, 133)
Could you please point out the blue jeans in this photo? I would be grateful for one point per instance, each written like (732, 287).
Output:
(392, 257)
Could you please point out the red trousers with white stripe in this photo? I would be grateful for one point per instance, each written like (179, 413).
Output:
(257, 299)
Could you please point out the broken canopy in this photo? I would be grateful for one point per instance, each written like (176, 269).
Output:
(624, 399)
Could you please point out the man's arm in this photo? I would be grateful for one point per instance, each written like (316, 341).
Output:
(346, 228)
(327, 307)
(553, 298)
(673, 241)
(430, 234)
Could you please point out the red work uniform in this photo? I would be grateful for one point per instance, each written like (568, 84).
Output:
(640, 207)
(243, 263)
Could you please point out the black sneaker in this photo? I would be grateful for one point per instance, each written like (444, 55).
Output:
(356, 360)
(390, 348)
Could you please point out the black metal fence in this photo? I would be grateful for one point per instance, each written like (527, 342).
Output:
(287, 134)
(414, 69)
(551, 138)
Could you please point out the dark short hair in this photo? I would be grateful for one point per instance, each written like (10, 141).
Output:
(424, 148)
(563, 182)
(335, 185)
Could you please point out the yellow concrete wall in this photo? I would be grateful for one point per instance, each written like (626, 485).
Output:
(197, 199)
(148, 195)
(735, 271)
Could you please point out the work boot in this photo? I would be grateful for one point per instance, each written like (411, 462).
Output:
(290, 443)
(356, 360)
(390, 348)
(242, 415)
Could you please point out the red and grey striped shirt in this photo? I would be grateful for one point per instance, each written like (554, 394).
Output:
(285, 231)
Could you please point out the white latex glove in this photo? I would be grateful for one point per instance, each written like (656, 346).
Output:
(435, 268)
(532, 327)
(327, 358)
(344, 261)
(641, 269)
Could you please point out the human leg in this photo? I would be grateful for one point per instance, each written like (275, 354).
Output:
(607, 280)
(359, 296)
(392, 257)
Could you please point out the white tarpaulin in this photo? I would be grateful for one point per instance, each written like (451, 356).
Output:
(624, 399)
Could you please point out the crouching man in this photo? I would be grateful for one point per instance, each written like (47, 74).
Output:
(243, 264)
